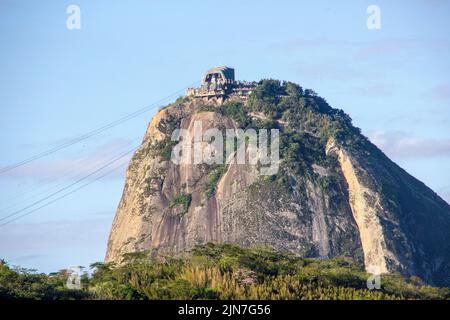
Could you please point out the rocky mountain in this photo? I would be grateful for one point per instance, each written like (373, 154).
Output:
(334, 193)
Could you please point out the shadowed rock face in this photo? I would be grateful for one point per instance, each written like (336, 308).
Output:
(369, 208)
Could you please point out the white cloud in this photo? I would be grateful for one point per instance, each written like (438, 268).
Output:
(333, 71)
(446, 197)
(375, 90)
(445, 193)
(441, 92)
(74, 165)
(401, 144)
(56, 244)
(39, 237)
(365, 49)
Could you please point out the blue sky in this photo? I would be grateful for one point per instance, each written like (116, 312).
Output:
(56, 84)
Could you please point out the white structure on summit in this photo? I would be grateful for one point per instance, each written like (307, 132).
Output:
(219, 82)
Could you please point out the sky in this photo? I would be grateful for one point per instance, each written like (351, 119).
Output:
(58, 83)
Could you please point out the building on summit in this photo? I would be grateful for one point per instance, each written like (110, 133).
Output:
(220, 83)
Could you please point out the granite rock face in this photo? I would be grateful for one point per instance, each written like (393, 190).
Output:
(350, 199)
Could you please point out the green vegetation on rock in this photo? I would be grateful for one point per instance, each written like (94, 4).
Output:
(181, 199)
(219, 272)
(213, 179)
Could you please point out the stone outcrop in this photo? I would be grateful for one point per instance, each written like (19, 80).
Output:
(371, 210)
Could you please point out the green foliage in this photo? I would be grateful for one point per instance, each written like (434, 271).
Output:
(167, 126)
(219, 272)
(304, 110)
(181, 100)
(307, 124)
(20, 283)
(213, 179)
(266, 97)
(270, 97)
(231, 272)
(324, 182)
(234, 110)
(165, 148)
(293, 90)
(182, 199)
(237, 112)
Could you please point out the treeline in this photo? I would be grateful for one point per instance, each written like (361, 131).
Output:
(21, 283)
(217, 272)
